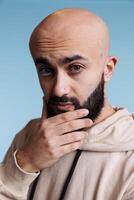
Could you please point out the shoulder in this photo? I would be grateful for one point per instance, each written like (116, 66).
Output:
(22, 136)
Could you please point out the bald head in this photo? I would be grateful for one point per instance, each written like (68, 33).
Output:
(77, 25)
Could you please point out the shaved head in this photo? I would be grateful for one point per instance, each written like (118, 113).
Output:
(73, 23)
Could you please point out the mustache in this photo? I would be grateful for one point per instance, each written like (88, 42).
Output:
(62, 99)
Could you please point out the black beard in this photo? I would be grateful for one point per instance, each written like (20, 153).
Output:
(94, 102)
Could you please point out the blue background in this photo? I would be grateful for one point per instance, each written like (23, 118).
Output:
(20, 93)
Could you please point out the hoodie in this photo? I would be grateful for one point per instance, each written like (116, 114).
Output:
(104, 170)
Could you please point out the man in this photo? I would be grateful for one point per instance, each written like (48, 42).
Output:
(81, 147)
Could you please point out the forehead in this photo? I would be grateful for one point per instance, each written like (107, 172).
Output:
(64, 43)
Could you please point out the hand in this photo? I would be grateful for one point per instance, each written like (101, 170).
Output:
(52, 138)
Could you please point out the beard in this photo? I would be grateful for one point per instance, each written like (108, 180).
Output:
(94, 102)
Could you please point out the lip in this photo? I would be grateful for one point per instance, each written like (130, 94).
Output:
(64, 106)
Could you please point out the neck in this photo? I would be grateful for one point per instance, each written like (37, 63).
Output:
(106, 112)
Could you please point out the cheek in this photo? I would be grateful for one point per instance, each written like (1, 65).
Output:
(86, 85)
(46, 88)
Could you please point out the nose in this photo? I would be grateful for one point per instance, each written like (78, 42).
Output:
(61, 85)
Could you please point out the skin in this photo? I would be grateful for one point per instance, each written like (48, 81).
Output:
(65, 34)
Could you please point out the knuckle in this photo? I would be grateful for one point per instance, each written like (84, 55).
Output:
(45, 135)
(71, 124)
(47, 132)
(54, 154)
(49, 143)
(74, 146)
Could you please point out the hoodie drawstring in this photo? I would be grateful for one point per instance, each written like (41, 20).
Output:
(70, 174)
(78, 153)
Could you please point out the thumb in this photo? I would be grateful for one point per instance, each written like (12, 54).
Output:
(44, 109)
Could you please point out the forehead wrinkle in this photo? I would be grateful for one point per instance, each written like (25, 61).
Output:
(48, 46)
(44, 44)
(47, 36)
(51, 40)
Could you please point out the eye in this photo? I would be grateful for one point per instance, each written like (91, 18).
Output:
(45, 71)
(76, 68)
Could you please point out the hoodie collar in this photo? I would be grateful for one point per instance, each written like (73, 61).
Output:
(115, 133)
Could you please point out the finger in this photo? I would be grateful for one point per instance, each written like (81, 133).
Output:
(71, 126)
(71, 137)
(67, 116)
(44, 109)
(65, 149)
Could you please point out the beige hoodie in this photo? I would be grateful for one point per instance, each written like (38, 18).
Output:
(105, 169)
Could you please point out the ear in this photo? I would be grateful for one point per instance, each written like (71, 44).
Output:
(109, 68)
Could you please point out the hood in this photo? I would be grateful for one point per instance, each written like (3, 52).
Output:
(114, 134)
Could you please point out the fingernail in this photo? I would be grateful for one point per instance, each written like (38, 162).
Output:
(85, 111)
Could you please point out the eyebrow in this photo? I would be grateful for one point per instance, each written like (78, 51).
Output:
(67, 60)
(42, 60)
(62, 61)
